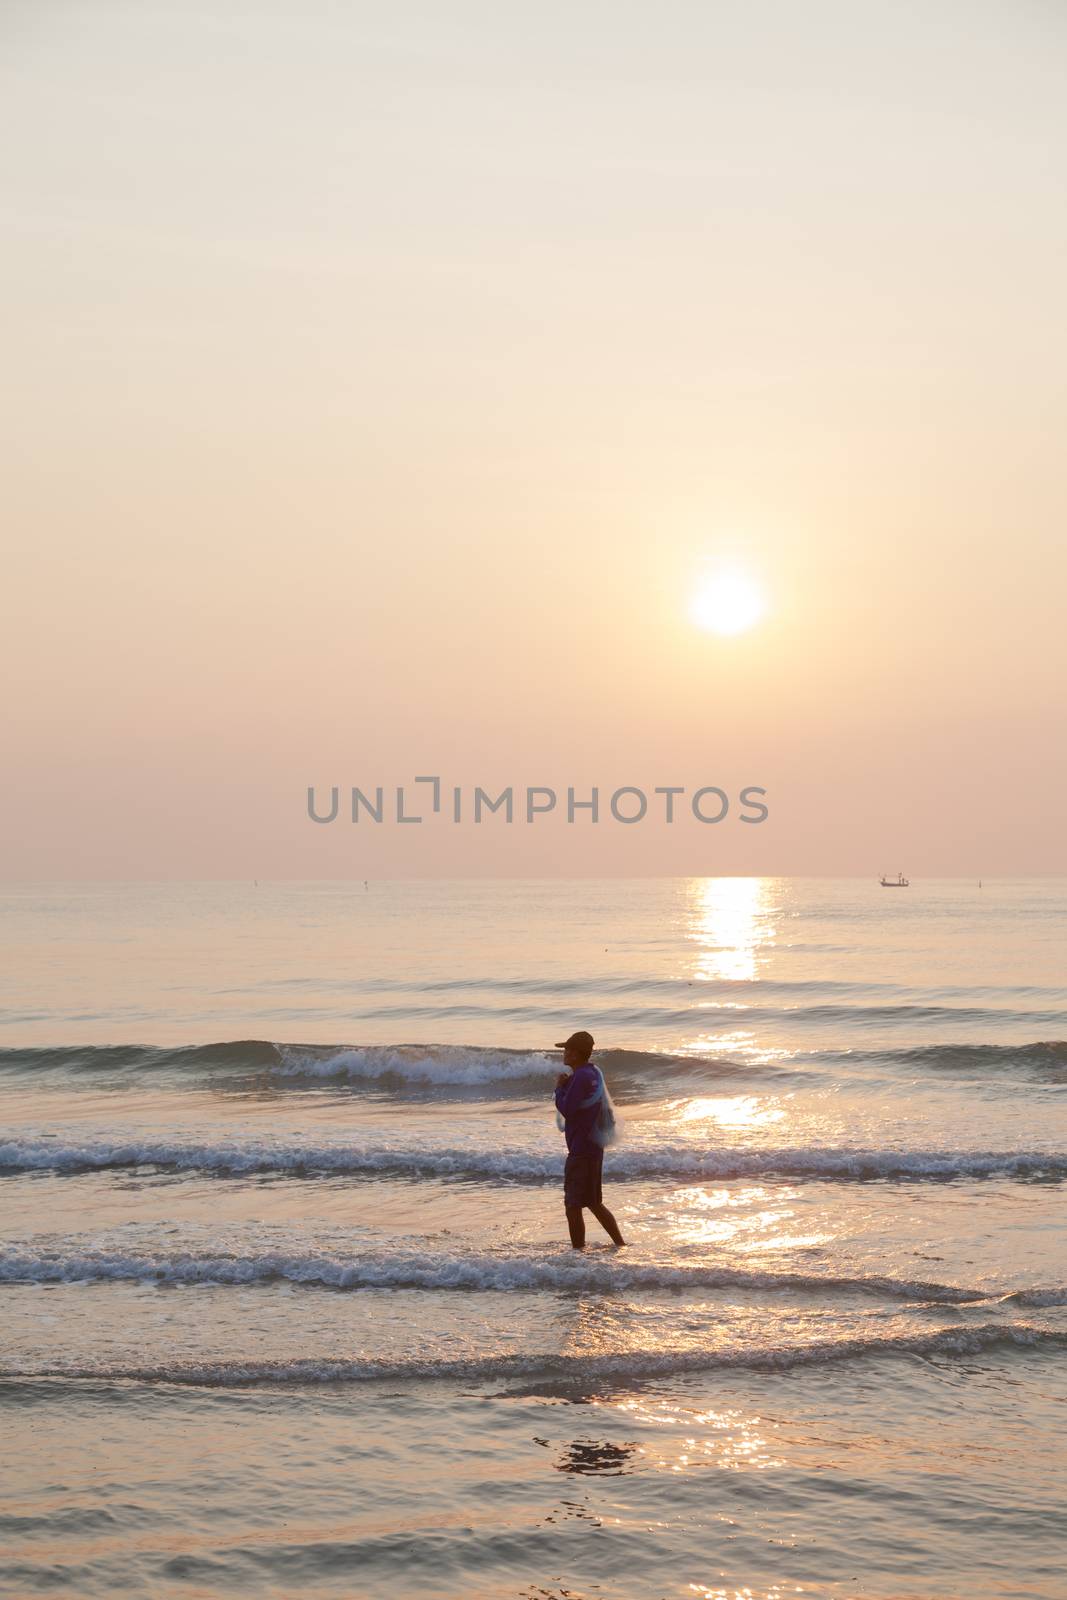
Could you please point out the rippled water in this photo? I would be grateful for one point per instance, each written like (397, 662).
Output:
(287, 1304)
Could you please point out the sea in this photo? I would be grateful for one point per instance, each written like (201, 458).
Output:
(287, 1302)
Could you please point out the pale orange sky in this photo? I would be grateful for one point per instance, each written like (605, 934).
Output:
(381, 380)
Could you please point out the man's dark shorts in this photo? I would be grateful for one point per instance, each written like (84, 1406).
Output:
(581, 1181)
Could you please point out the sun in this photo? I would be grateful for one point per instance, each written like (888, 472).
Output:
(727, 603)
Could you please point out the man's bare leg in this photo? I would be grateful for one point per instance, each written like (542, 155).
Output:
(576, 1224)
(608, 1223)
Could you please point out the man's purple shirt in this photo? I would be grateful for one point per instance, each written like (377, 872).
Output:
(579, 1124)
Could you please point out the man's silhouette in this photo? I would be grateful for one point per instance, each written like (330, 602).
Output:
(578, 1094)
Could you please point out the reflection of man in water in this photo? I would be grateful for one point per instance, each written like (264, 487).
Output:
(578, 1103)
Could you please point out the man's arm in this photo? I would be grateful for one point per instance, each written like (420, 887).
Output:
(570, 1095)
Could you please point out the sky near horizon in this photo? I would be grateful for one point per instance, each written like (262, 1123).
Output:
(383, 382)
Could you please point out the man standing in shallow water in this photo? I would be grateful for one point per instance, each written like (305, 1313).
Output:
(578, 1093)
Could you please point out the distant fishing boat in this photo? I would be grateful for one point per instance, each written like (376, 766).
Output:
(899, 882)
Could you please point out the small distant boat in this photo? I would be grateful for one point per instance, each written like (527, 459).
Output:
(899, 882)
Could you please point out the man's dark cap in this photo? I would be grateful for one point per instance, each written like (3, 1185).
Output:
(581, 1039)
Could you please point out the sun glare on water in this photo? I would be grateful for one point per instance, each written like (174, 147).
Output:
(727, 603)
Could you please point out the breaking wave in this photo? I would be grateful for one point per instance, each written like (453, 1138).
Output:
(429, 1065)
(519, 1164)
(483, 1272)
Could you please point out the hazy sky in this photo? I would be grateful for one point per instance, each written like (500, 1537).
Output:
(382, 379)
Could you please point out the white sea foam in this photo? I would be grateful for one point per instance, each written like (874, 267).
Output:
(430, 1064)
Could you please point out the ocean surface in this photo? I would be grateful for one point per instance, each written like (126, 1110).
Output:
(287, 1303)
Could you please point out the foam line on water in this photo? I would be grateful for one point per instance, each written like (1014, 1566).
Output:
(480, 1271)
(625, 1366)
(518, 1164)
